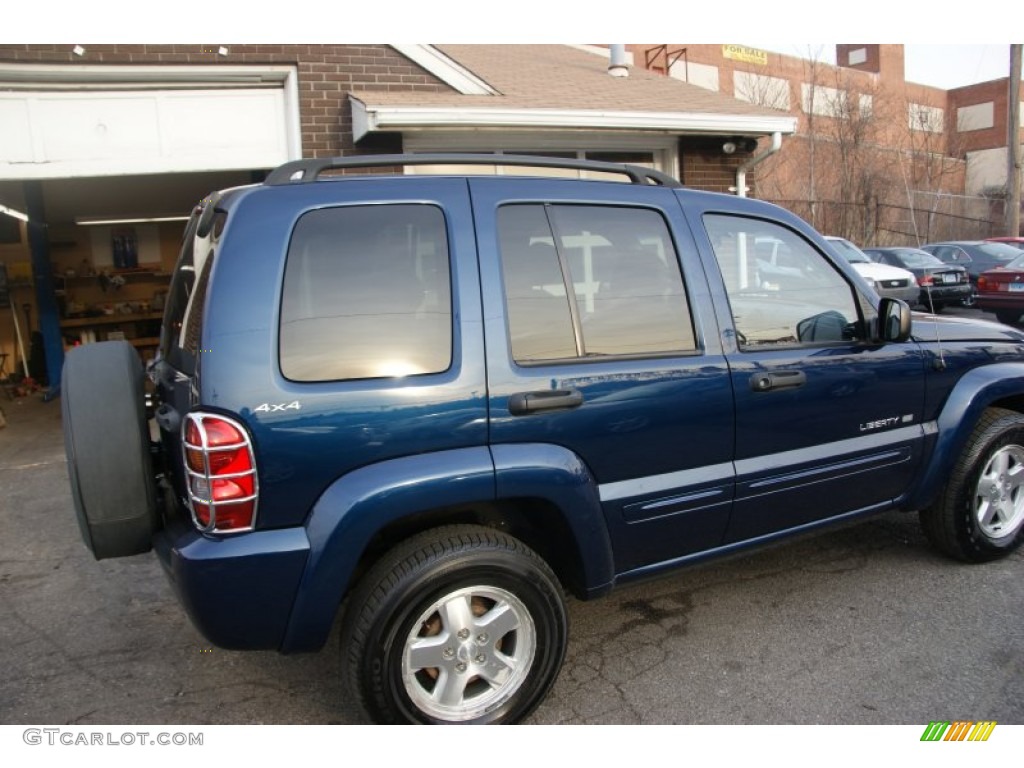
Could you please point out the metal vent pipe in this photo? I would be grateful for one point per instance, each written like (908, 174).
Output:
(617, 66)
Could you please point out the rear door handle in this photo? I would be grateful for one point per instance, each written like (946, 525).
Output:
(523, 403)
(766, 382)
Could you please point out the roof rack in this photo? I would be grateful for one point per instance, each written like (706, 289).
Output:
(305, 171)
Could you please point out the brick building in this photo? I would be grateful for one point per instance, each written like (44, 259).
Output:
(875, 158)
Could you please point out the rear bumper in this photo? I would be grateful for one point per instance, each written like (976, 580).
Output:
(908, 294)
(238, 590)
(947, 293)
(995, 302)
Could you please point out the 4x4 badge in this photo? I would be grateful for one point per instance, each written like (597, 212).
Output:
(294, 405)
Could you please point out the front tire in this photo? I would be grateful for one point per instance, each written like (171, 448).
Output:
(462, 624)
(1008, 316)
(979, 515)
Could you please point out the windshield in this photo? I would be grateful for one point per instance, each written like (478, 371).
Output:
(913, 258)
(1017, 263)
(1000, 251)
(849, 251)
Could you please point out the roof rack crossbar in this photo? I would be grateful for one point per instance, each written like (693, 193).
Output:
(305, 171)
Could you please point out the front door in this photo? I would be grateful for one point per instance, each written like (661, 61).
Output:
(827, 422)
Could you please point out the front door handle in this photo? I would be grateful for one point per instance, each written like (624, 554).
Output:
(766, 382)
(523, 403)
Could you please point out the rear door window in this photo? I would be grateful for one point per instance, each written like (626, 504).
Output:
(367, 294)
(586, 281)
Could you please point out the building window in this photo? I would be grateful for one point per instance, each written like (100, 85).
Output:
(924, 118)
(762, 90)
(643, 159)
(832, 102)
(976, 117)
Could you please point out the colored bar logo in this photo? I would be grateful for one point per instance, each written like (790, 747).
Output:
(958, 730)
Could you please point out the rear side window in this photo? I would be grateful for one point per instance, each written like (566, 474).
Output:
(367, 294)
(585, 281)
(181, 331)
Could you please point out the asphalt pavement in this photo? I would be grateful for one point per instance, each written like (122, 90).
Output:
(860, 625)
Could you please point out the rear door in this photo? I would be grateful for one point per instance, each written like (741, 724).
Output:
(826, 421)
(593, 299)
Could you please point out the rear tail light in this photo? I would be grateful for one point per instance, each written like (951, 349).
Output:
(925, 280)
(220, 471)
(982, 282)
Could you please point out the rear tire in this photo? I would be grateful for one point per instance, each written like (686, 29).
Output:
(979, 515)
(1008, 317)
(106, 439)
(461, 624)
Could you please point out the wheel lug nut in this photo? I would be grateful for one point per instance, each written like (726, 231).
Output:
(448, 653)
(460, 667)
(482, 637)
(480, 658)
(463, 634)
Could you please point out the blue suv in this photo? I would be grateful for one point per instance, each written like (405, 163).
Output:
(433, 405)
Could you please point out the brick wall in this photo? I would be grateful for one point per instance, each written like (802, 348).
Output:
(703, 166)
(994, 91)
(326, 74)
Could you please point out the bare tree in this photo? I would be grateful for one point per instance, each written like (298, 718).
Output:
(932, 170)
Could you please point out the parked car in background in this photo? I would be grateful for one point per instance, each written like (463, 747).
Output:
(941, 284)
(893, 282)
(1016, 242)
(1001, 290)
(976, 256)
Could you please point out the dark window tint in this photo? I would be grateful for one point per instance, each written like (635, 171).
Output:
(366, 294)
(618, 266)
(538, 311)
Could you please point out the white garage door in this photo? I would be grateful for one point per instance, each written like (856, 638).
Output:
(103, 128)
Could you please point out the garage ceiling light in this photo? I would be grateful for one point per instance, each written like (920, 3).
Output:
(78, 50)
(88, 221)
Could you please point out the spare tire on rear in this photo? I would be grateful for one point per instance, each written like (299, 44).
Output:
(107, 442)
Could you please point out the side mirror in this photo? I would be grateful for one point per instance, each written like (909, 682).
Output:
(893, 320)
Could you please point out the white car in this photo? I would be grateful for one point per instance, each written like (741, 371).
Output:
(888, 281)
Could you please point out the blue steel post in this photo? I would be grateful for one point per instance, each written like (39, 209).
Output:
(42, 275)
